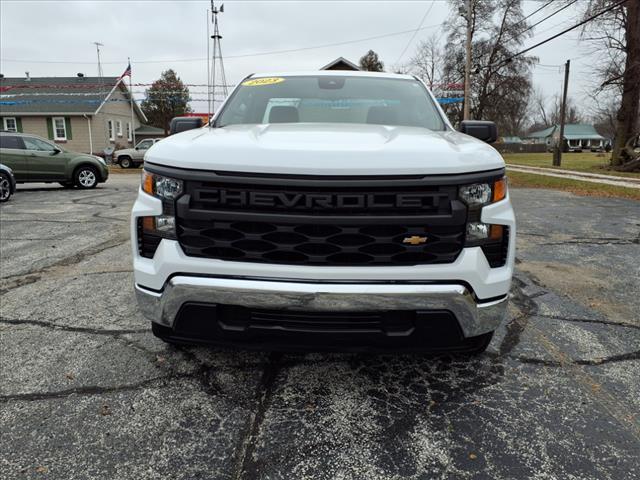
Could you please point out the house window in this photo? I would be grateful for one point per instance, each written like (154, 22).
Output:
(119, 127)
(10, 124)
(110, 129)
(129, 131)
(59, 129)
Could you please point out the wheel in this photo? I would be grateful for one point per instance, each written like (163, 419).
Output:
(86, 177)
(5, 188)
(67, 184)
(125, 162)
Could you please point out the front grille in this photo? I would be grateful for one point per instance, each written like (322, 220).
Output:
(319, 244)
(357, 330)
(321, 200)
(321, 221)
(241, 318)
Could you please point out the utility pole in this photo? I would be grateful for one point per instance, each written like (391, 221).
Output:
(557, 154)
(217, 58)
(467, 65)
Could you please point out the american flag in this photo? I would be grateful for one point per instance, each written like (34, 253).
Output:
(126, 73)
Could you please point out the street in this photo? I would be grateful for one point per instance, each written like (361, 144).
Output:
(88, 392)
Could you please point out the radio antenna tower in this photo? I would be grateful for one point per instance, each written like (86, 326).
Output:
(218, 79)
(100, 74)
(98, 45)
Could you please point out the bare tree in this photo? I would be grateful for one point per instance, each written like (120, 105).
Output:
(541, 114)
(428, 61)
(545, 112)
(501, 86)
(603, 114)
(616, 38)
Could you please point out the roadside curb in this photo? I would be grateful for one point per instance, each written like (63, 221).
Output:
(626, 182)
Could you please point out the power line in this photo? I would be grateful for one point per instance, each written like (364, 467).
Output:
(61, 86)
(517, 34)
(424, 17)
(535, 11)
(257, 54)
(528, 49)
(549, 16)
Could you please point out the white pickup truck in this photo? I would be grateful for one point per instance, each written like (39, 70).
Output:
(326, 210)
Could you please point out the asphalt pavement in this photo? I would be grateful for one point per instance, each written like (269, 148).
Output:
(86, 392)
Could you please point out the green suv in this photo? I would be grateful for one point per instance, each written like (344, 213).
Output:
(34, 159)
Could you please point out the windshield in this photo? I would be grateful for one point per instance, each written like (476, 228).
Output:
(331, 99)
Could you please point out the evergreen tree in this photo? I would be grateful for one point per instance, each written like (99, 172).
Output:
(370, 62)
(167, 98)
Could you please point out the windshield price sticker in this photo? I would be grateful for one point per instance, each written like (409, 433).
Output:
(257, 82)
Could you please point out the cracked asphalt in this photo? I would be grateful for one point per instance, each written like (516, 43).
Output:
(86, 392)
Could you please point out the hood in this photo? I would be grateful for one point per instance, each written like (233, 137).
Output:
(325, 149)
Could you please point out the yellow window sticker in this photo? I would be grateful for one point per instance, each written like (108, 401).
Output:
(257, 82)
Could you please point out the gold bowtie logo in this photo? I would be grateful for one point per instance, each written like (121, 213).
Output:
(415, 240)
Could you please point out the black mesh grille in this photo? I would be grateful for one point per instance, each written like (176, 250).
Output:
(317, 244)
(321, 224)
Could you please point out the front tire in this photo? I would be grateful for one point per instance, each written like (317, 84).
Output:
(125, 162)
(86, 177)
(5, 188)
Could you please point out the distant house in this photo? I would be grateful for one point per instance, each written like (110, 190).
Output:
(85, 114)
(341, 63)
(577, 137)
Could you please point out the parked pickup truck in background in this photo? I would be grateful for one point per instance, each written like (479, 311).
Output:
(326, 210)
(133, 157)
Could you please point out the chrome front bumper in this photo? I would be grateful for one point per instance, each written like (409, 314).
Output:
(474, 318)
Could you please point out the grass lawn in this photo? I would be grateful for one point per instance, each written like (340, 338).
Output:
(531, 180)
(583, 162)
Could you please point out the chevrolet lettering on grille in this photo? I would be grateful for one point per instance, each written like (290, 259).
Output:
(333, 201)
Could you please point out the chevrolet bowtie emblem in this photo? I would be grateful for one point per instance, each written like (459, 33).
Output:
(415, 240)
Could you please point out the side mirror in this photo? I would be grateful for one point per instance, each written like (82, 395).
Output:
(137, 148)
(482, 130)
(56, 151)
(181, 124)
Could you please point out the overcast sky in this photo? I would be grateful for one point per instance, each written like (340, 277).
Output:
(163, 34)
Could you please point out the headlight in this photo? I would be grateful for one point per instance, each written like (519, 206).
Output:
(152, 229)
(479, 194)
(493, 239)
(161, 187)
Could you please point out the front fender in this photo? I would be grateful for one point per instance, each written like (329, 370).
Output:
(75, 162)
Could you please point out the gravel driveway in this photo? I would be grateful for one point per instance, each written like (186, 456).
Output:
(87, 392)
